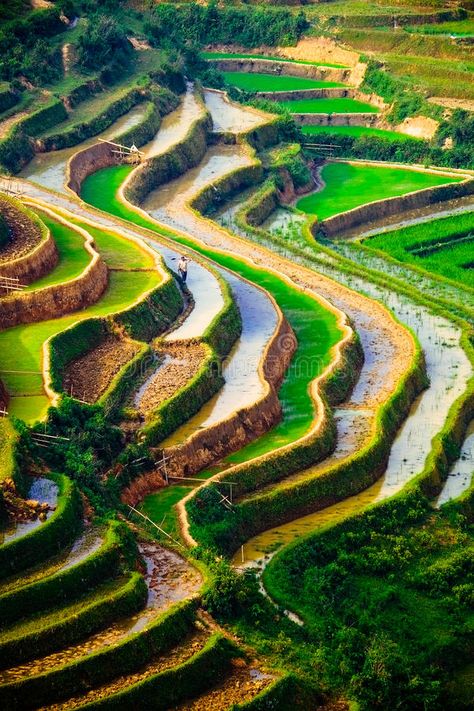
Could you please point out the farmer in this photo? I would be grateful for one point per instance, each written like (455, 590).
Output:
(183, 267)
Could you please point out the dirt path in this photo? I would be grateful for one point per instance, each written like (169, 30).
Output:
(7, 123)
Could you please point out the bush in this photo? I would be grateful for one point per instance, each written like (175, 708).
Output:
(103, 42)
(172, 25)
(4, 232)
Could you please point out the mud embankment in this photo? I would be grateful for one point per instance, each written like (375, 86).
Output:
(270, 66)
(88, 161)
(211, 444)
(58, 299)
(34, 265)
(357, 119)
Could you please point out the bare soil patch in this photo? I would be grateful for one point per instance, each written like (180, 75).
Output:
(178, 364)
(24, 234)
(89, 376)
(7, 123)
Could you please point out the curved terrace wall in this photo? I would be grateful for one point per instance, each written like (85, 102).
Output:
(380, 209)
(100, 155)
(39, 261)
(59, 299)
(271, 66)
(166, 166)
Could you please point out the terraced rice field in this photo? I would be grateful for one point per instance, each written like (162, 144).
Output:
(347, 185)
(329, 106)
(444, 246)
(291, 424)
(356, 132)
(270, 82)
(230, 55)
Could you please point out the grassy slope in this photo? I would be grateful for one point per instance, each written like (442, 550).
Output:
(356, 131)
(7, 437)
(347, 186)
(329, 106)
(447, 261)
(270, 82)
(315, 327)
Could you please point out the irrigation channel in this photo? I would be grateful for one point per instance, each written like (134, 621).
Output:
(447, 365)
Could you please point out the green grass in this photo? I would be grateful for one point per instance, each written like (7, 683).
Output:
(356, 131)
(270, 82)
(447, 261)
(7, 439)
(461, 28)
(21, 346)
(159, 507)
(118, 252)
(315, 327)
(328, 106)
(230, 55)
(73, 258)
(349, 185)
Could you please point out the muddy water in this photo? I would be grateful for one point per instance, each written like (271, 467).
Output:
(206, 291)
(49, 169)
(421, 282)
(167, 203)
(280, 219)
(243, 385)
(448, 369)
(175, 125)
(169, 579)
(227, 116)
(462, 471)
(43, 490)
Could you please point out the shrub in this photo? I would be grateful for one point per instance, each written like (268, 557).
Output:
(103, 42)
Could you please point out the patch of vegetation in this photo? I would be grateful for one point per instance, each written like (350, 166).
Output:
(388, 606)
(173, 26)
(447, 253)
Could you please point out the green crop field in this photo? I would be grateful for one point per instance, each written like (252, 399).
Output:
(329, 106)
(356, 131)
(73, 258)
(270, 82)
(347, 186)
(462, 28)
(447, 260)
(21, 346)
(230, 55)
(315, 327)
